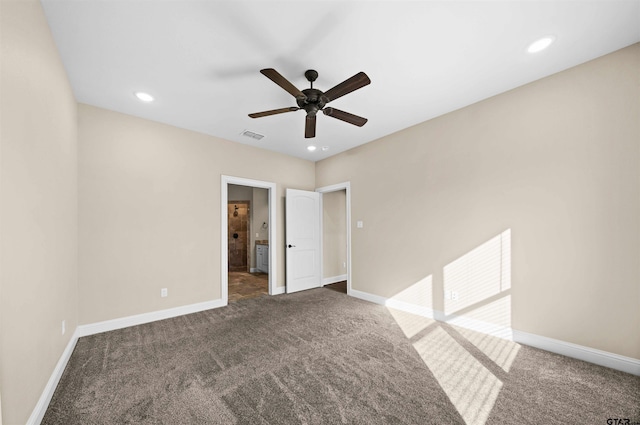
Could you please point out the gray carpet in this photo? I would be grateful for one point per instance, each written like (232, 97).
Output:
(321, 357)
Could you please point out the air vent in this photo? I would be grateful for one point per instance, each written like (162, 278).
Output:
(252, 134)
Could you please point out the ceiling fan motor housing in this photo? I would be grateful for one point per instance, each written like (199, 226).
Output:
(313, 101)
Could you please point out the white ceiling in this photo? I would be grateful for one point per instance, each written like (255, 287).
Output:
(201, 59)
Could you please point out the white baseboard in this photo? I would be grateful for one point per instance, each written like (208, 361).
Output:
(465, 322)
(139, 319)
(45, 398)
(580, 352)
(591, 355)
(418, 310)
(376, 299)
(493, 329)
(334, 279)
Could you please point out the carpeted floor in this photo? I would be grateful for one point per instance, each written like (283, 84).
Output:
(321, 357)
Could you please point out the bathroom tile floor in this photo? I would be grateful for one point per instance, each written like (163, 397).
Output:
(243, 285)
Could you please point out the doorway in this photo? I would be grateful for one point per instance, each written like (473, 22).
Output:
(336, 236)
(235, 190)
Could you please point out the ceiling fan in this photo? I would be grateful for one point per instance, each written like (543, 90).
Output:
(314, 100)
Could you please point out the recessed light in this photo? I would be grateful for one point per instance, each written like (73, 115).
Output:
(145, 97)
(311, 148)
(541, 44)
(325, 148)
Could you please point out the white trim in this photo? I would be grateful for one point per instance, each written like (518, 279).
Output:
(225, 181)
(140, 319)
(253, 270)
(488, 328)
(376, 299)
(580, 352)
(591, 355)
(321, 226)
(278, 290)
(45, 398)
(346, 186)
(423, 311)
(333, 279)
(418, 310)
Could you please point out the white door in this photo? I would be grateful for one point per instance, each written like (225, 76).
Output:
(302, 209)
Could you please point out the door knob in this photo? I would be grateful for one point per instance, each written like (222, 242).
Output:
(291, 246)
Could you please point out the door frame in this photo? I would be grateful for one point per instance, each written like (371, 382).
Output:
(225, 181)
(346, 186)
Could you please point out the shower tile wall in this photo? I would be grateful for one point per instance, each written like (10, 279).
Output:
(238, 226)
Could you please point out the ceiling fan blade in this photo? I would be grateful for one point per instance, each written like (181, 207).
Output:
(345, 116)
(347, 86)
(273, 112)
(275, 76)
(310, 127)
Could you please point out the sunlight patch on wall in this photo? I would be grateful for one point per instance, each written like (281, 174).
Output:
(418, 296)
(474, 283)
(470, 386)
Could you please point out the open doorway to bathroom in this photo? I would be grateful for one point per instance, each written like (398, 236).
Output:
(267, 226)
(247, 242)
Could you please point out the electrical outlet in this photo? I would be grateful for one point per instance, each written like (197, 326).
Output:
(64, 326)
(164, 292)
(359, 224)
(454, 295)
(344, 264)
(257, 235)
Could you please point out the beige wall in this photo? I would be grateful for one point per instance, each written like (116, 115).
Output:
(38, 196)
(260, 213)
(149, 208)
(334, 233)
(555, 161)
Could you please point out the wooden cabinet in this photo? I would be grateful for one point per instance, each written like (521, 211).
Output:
(262, 258)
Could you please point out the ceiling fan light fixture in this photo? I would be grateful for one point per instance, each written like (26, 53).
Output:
(144, 97)
(541, 44)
